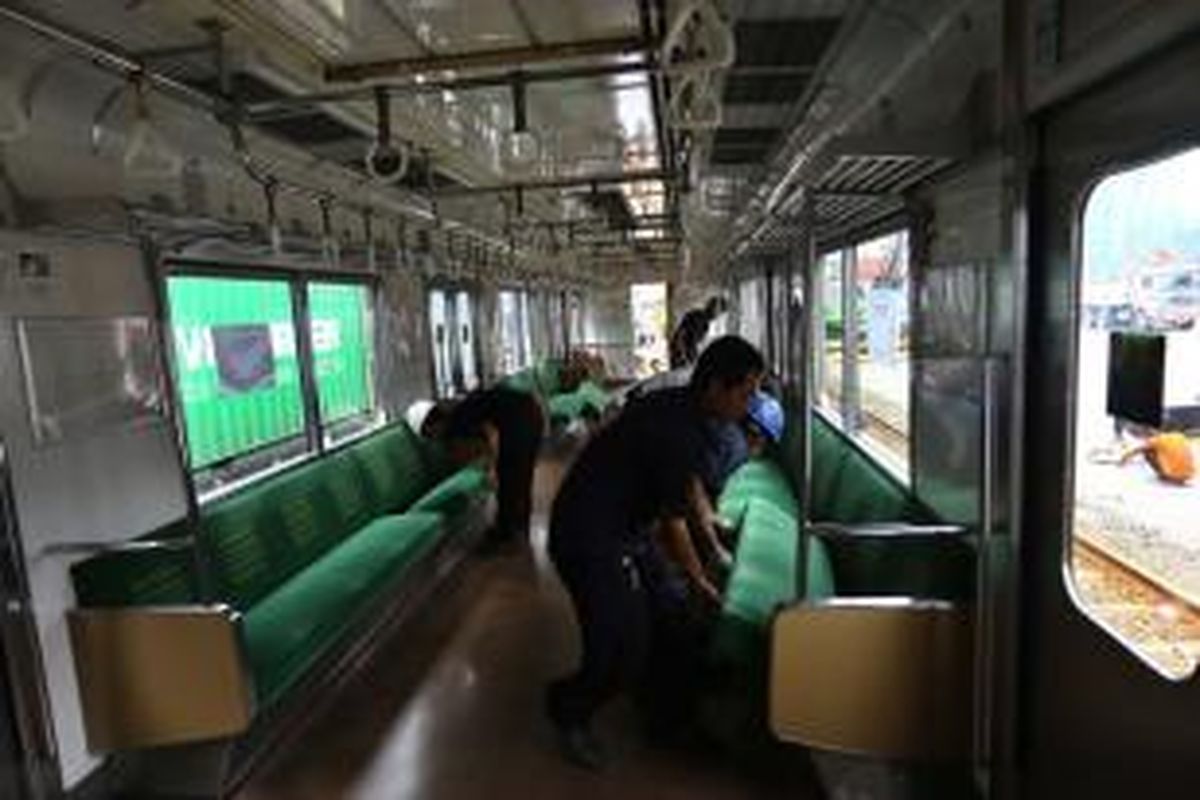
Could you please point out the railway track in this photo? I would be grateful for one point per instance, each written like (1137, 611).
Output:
(1153, 621)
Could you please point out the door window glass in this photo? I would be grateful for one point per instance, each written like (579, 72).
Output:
(465, 323)
(440, 336)
(1135, 546)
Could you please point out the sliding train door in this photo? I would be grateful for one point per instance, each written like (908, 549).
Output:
(1110, 598)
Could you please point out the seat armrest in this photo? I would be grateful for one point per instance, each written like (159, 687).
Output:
(887, 677)
(153, 676)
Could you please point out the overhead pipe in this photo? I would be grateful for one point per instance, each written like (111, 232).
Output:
(566, 182)
(484, 59)
(302, 104)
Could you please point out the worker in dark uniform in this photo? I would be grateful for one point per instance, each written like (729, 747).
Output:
(518, 422)
(692, 329)
(633, 472)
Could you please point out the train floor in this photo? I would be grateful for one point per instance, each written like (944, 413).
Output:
(451, 709)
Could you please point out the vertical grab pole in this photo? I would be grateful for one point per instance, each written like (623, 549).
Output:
(155, 277)
(850, 384)
(804, 265)
(302, 324)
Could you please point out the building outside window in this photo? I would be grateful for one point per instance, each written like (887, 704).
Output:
(863, 376)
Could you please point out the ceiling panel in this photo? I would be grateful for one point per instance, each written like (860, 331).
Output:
(782, 42)
(775, 89)
(742, 145)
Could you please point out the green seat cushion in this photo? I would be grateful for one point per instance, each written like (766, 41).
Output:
(456, 493)
(548, 375)
(566, 407)
(393, 466)
(346, 490)
(523, 381)
(247, 556)
(595, 399)
(588, 400)
(848, 486)
(307, 517)
(759, 478)
(290, 628)
(763, 577)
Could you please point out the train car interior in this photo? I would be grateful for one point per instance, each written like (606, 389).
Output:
(255, 257)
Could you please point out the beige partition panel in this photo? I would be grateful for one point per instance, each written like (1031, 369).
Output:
(158, 676)
(885, 677)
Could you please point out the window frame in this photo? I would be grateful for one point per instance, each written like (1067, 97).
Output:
(248, 467)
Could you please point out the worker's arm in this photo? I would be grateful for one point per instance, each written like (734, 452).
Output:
(673, 533)
(481, 449)
(704, 518)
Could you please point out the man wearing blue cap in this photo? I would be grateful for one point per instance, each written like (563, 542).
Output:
(764, 424)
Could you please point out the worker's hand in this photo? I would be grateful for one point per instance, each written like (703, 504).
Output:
(724, 559)
(709, 592)
(726, 532)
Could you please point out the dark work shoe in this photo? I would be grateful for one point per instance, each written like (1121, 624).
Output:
(581, 748)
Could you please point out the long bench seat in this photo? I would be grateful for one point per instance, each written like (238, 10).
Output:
(847, 487)
(297, 559)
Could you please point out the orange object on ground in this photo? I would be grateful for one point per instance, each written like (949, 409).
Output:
(1170, 454)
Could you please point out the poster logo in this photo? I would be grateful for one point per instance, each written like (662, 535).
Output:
(245, 357)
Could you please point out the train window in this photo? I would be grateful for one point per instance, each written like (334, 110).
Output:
(238, 374)
(829, 335)
(441, 335)
(526, 318)
(464, 324)
(648, 302)
(341, 322)
(512, 352)
(751, 314)
(1135, 550)
(881, 292)
(863, 369)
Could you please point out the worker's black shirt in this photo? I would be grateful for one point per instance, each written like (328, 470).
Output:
(633, 471)
(509, 410)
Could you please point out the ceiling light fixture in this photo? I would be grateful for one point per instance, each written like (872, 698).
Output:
(520, 149)
(385, 161)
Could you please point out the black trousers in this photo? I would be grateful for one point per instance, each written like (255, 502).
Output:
(520, 442)
(671, 683)
(613, 622)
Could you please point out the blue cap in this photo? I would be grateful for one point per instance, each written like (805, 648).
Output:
(767, 414)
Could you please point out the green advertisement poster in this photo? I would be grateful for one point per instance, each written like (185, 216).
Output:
(340, 339)
(235, 355)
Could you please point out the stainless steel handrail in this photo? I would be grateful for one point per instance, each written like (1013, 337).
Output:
(887, 530)
(123, 546)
